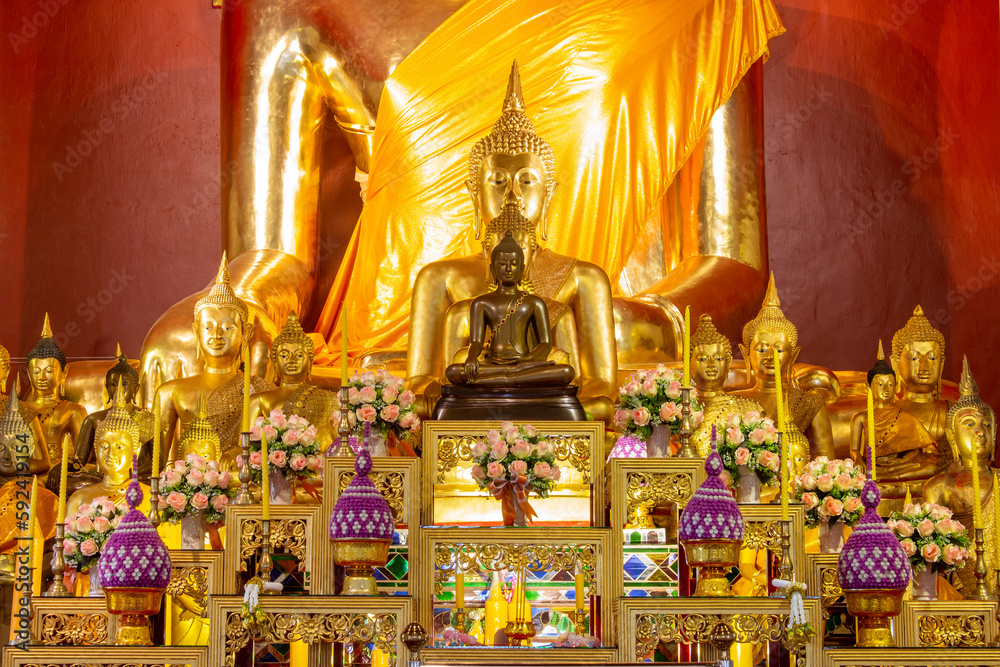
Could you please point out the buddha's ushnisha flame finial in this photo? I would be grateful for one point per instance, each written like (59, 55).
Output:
(881, 366)
(46, 348)
(917, 328)
(967, 385)
(12, 423)
(222, 295)
(46, 327)
(514, 101)
(881, 354)
(771, 318)
(969, 398)
(118, 419)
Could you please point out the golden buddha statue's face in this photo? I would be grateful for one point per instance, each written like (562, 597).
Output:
(762, 354)
(519, 179)
(919, 366)
(970, 436)
(709, 366)
(11, 450)
(45, 375)
(114, 452)
(220, 333)
(883, 388)
(292, 361)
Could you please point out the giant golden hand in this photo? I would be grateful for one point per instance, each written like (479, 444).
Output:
(273, 284)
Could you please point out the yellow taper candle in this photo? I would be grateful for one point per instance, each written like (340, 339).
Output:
(870, 419)
(157, 425)
(578, 584)
(246, 387)
(786, 449)
(343, 349)
(977, 503)
(687, 346)
(996, 522)
(63, 472)
(459, 584)
(265, 486)
(909, 497)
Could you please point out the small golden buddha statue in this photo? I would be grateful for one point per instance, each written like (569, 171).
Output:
(970, 429)
(511, 327)
(711, 355)
(905, 454)
(199, 437)
(60, 419)
(120, 375)
(116, 438)
(770, 331)
(514, 166)
(918, 359)
(221, 327)
(292, 354)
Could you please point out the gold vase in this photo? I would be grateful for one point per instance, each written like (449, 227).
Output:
(874, 609)
(133, 606)
(714, 559)
(360, 558)
(520, 631)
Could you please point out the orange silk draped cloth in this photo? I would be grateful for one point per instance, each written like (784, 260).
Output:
(621, 89)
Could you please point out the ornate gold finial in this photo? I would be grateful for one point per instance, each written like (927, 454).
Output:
(917, 328)
(12, 422)
(881, 366)
(770, 317)
(707, 334)
(46, 347)
(118, 349)
(222, 295)
(967, 385)
(122, 368)
(881, 354)
(292, 332)
(201, 430)
(118, 419)
(969, 398)
(512, 134)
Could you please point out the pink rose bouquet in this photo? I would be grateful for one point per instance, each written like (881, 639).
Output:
(193, 487)
(379, 399)
(830, 491)
(87, 529)
(292, 447)
(750, 439)
(651, 398)
(931, 537)
(515, 458)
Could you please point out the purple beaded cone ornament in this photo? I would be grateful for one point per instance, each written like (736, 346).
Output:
(135, 570)
(711, 530)
(628, 447)
(361, 529)
(874, 571)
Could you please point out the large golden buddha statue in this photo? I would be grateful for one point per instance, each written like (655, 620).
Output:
(711, 355)
(400, 89)
(222, 328)
(970, 429)
(918, 359)
(60, 419)
(292, 354)
(770, 331)
(905, 454)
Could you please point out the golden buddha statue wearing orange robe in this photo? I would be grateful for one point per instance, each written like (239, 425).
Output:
(405, 86)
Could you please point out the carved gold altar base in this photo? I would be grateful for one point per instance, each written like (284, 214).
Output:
(910, 657)
(509, 656)
(102, 656)
(645, 622)
(318, 621)
(450, 496)
(946, 624)
(72, 621)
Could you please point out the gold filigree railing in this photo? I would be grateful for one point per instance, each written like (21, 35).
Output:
(287, 534)
(494, 557)
(951, 631)
(75, 629)
(389, 483)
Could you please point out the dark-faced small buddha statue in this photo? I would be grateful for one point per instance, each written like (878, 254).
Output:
(510, 342)
(906, 455)
(770, 331)
(918, 359)
(292, 354)
(61, 420)
(970, 429)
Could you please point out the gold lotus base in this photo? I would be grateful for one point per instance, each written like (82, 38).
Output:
(874, 610)
(359, 558)
(519, 631)
(133, 606)
(714, 559)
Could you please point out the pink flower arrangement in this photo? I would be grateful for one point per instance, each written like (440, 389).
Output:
(292, 447)
(380, 399)
(514, 453)
(931, 537)
(87, 530)
(195, 486)
(750, 440)
(830, 491)
(651, 398)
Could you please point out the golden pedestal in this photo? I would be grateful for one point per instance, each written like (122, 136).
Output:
(714, 559)
(133, 606)
(874, 610)
(360, 558)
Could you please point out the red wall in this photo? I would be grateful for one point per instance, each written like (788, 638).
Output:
(862, 224)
